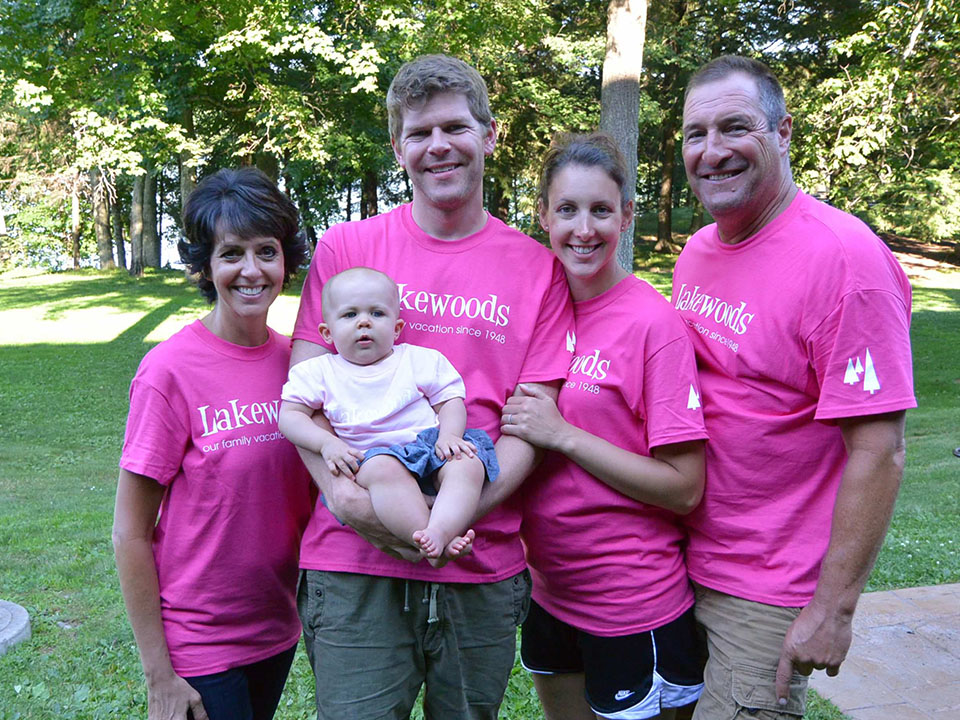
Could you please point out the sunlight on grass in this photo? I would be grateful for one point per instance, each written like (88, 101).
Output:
(937, 291)
(61, 312)
(41, 324)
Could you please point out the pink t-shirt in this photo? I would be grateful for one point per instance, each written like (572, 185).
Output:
(387, 403)
(203, 423)
(496, 305)
(805, 322)
(600, 560)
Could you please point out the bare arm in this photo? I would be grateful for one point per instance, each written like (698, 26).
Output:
(821, 635)
(138, 499)
(672, 478)
(297, 425)
(349, 502)
(517, 458)
(452, 418)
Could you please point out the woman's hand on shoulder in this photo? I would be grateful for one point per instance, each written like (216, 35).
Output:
(533, 416)
(170, 697)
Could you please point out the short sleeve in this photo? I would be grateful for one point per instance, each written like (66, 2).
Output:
(671, 395)
(304, 384)
(443, 382)
(547, 356)
(861, 356)
(310, 315)
(156, 438)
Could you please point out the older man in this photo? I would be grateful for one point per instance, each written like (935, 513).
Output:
(800, 317)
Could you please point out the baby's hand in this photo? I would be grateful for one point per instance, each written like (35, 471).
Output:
(341, 458)
(452, 446)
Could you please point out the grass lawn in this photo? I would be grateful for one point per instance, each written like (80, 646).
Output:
(69, 344)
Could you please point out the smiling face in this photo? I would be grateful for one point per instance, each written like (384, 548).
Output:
(584, 215)
(247, 274)
(442, 147)
(736, 165)
(361, 309)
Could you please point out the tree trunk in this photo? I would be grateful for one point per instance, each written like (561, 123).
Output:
(369, 206)
(696, 217)
(136, 227)
(499, 205)
(118, 232)
(349, 202)
(75, 222)
(268, 164)
(301, 200)
(151, 241)
(101, 219)
(668, 146)
(159, 177)
(188, 172)
(620, 95)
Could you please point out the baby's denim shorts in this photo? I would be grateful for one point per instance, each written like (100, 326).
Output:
(420, 457)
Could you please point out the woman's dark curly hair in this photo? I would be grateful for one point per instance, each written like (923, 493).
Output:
(245, 203)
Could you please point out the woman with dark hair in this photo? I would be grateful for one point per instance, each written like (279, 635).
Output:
(211, 499)
(611, 631)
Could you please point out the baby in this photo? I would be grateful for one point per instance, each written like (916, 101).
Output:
(398, 414)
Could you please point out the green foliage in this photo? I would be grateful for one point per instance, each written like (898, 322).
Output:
(298, 89)
(877, 131)
(40, 216)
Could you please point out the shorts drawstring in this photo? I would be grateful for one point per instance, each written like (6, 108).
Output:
(430, 595)
(406, 596)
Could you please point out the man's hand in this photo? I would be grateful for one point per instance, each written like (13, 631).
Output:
(341, 459)
(351, 505)
(817, 640)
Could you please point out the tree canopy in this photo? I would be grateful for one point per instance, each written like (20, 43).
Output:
(110, 111)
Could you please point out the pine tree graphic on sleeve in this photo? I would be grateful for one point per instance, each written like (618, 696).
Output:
(856, 368)
(870, 382)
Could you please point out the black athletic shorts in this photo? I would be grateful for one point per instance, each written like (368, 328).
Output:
(628, 677)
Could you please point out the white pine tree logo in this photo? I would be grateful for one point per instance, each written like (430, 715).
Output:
(693, 400)
(855, 369)
(571, 341)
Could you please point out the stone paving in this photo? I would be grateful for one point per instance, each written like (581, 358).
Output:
(904, 662)
(14, 625)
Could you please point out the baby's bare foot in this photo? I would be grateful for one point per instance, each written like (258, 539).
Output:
(460, 546)
(428, 542)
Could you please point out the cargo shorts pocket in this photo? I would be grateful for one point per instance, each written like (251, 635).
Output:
(310, 599)
(522, 586)
(754, 691)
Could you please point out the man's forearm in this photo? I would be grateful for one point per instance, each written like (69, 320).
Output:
(820, 636)
(864, 506)
(348, 502)
(517, 459)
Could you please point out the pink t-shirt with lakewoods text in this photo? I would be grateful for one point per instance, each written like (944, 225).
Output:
(601, 561)
(804, 323)
(203, 423)
(383, 404)
(496, 305)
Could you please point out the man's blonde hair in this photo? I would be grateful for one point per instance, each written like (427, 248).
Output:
(419, 80)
